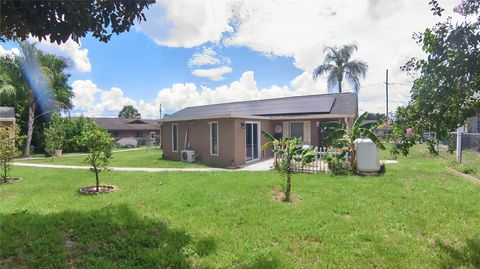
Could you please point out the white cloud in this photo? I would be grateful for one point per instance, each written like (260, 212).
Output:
(208, 56)
(71, 50)
(85, 91)
(186, 23)
(9, 53)
(381, 28)
(92, 101)
(215, 73)
(182, 95)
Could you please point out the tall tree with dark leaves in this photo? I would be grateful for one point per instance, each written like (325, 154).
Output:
(128, 112)
(57, 21)
(40, 86)
(446, 89)
(338, 66)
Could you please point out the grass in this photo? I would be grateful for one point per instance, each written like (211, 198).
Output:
(417, 215)
(147, 157)
(470, 162)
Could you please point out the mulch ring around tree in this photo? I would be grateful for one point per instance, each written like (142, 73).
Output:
(10, 180)
(279, 196)
(92, 190)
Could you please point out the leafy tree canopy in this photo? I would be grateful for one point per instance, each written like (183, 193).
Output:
(99, 145)
(128, 112)
(9, 139)
(35, 84)
(446, 89)
(57, 21)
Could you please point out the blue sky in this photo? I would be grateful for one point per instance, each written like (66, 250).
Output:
(194, 52)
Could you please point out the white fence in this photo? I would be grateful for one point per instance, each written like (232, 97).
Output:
(319, 165)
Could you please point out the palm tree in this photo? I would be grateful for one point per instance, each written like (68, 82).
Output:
(337, 65)
(36, 82)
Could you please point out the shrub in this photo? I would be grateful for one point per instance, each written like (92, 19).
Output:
(99, 145)
(9, 140)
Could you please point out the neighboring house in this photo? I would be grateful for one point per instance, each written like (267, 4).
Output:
(229, 134)
(7, 116)
(124, 128)
(379, 131)
(473, 124)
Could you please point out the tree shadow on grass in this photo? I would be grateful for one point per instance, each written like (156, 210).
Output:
(467, 256)
(114, 236)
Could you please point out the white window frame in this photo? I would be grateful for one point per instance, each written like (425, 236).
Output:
(154, 135)
(259, 137)
(211, 136)
(173, 140)
(303, 127)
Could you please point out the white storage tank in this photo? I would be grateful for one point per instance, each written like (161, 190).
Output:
(368, 162)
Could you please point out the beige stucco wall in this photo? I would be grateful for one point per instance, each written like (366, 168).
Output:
(132, 133)
(199, 137)
(6, 123)
(231, 139)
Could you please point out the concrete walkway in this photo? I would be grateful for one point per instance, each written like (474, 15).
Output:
(265, 165)
(81, 154)
(258, 166)
(127, 169)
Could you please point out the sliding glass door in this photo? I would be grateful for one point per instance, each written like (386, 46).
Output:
(252, 141)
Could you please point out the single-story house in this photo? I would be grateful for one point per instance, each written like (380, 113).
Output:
(473, 124)
(125, 128)
(7, 116)
(229, 134)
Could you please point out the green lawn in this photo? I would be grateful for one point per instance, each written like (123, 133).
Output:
(415, 216)
(470, 162)
(148, 157)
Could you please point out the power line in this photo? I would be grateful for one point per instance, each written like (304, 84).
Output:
(403, 84)
(396, 92)
(371, 85)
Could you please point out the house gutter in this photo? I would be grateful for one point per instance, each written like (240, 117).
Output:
(226, 116)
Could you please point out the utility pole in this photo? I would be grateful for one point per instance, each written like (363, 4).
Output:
(160, 110)
(386, 96)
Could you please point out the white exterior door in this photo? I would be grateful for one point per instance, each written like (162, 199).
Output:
(252, 141)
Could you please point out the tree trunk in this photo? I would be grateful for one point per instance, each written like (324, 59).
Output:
(289, 185)
(340, 86)
(4, 172)
(96, 176)
(31, 114)
(353, 161)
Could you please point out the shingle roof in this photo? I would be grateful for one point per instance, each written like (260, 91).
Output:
(338, 104)
(7, 113)
(127, 124)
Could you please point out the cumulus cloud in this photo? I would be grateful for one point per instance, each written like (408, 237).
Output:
(93, 101)
(208, 56)
(90, 100)
(85, 91)
(381, 28)
(70, 49)
(182, 95)
(187, 23)
(215, 73)
(9, 52)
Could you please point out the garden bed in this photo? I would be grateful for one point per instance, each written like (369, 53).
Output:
(11, 180)
(92, 190)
